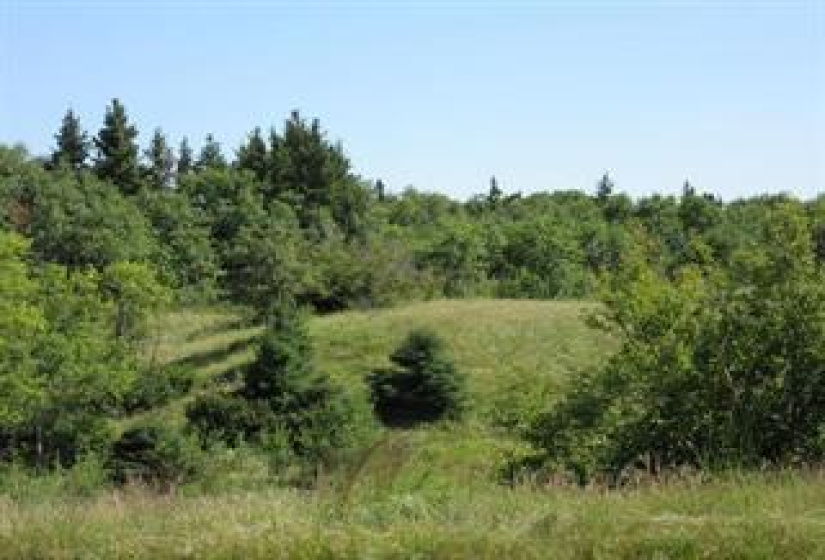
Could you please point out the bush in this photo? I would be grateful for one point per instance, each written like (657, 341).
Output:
(155, 388)
(59, 442)
(155, 455)
(226, 418)
(423, 387)
(715, 369)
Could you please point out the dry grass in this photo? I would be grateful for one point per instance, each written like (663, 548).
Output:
(752, 517)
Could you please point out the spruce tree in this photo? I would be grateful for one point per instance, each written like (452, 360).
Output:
(604, 188)
(161, 161)
(185, 159)
(380, 190)
(424, 385)
(253, 155)
(117, 150)
(72, 143)
(307, 171)
(282, 393)
(211, 156)
(283, 382)
(494, 196)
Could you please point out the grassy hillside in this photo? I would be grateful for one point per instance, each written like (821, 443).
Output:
(425, 493)
(516, 353)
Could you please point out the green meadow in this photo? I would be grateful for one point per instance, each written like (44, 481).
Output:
(434, 492)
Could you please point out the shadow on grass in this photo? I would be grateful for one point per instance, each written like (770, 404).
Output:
(219, 354)
(218, 327)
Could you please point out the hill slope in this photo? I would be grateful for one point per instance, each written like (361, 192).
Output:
(426, 493)
(509, 348)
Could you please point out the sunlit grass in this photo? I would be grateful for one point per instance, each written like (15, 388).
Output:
(741, 517)
(424, 493)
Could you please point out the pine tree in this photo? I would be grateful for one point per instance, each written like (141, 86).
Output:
(253, 155)
(72, 143)
(284, 358)
(307, 171)
(211, 156)
(117, 157)
(688, 189)
(289, 393)
(604, 188)
(380, 190)
(161, 161)
(494, 196)
(185, 162)
(424, 385)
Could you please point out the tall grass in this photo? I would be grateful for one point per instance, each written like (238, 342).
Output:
(739, 517)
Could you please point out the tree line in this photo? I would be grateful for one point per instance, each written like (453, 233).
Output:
(720, 301)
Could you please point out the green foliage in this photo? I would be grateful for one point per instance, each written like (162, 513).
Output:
(543, 259)
(715, 368)
(22, 320)
(83, 222)
(377, 273)
(117, 150)
(226, 418)
(153, 454)
(266, 262)
(211, 156)
(186, 161)
(72, 143)
(136, 293)
(281, 395)
(185, 257)
(424, 385)
(253, 156)
(311, 174)
(157, 386)
(159, 172)
(460, 257)
(62, 371)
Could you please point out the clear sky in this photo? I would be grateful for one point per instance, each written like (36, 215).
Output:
(442, 95)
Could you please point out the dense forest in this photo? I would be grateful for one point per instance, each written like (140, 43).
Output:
(717, 307)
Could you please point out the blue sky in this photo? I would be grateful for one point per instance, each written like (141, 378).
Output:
(442, 95)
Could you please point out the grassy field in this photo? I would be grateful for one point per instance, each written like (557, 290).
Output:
(752, 517)
(425, 493)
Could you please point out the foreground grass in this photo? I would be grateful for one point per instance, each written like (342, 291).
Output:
(752, 517)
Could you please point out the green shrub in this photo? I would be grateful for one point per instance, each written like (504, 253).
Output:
(424, 386)
(157, 387)
(226, 418)
(716, 369)
(155, 455)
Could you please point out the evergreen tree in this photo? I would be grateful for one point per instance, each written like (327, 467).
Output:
(211, 156)
(380, 190)
(185, 161)
(161, 161)
(284, 359)
(72, 143)
(495, 193)
(307, 170)
(604, 188)
(117, 158)
(281, 392)
(424, 386)
(688, 190)
(253, 155)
